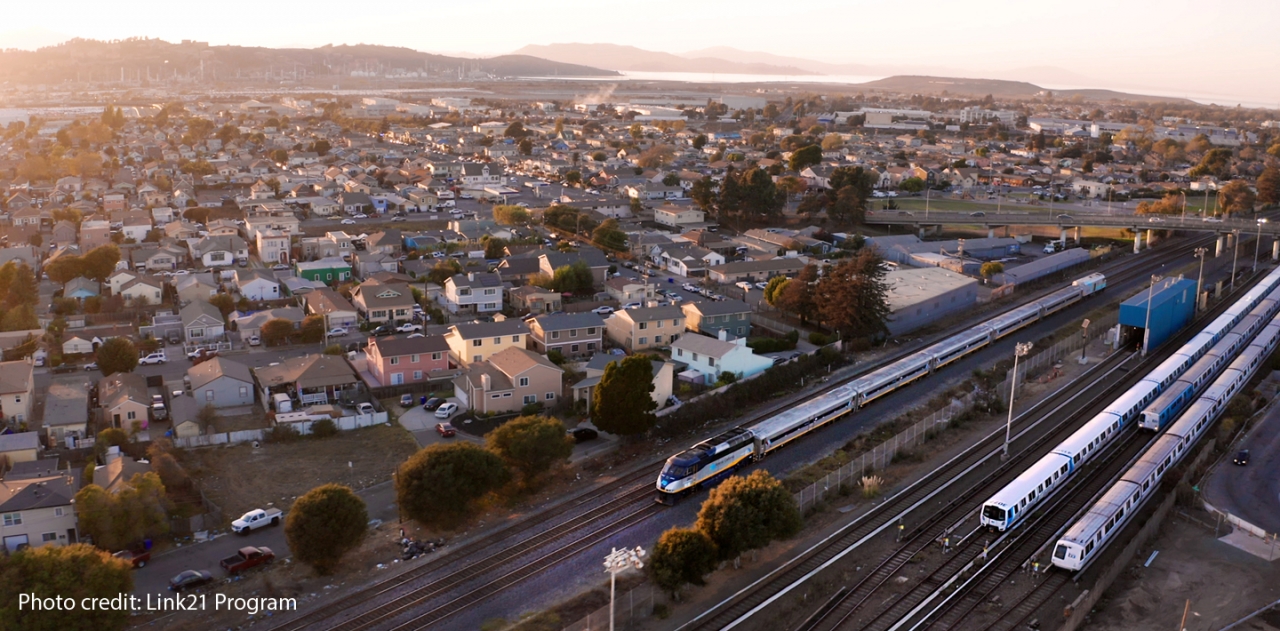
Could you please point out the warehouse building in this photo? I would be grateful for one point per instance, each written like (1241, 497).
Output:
(919, 297)
(903, 248)
(1042, 267)
(1172, 304)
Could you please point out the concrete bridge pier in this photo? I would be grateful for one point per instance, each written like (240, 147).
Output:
(1062, 237)
(1217, 250)
(1137, 241)
(1275, 250)
(1150, 237)
(921, 232)
(991, 233)
(1077, 235)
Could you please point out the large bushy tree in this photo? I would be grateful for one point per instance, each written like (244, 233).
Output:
(682, 556)
(622, 403)
(746, 513)
(530, 444)
(853, 297)
(325, 524)
(440, 484)
(117, 354)
(76, 571)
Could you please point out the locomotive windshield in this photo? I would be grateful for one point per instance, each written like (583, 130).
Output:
(682, 465)
(994, 513)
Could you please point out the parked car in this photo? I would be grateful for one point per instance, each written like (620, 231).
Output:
(201, 355)
(398, 219)
(761, 285)
(381, 330)
(281, 267)
(1065, 217)
(446, 410)
(632, 305)
(136, 557)
(1242, 457)
(433, 404)
(406, 400)
(157, 357)
(364, 408)
(91, 366)
(337, 331)
(63, 369)
(348, 222)
(189, 579)
(174, 338)
(255, 519)
(446, 430)
(254, 340)
(603, 310)
(978, 214)
(583, 434)
(246, 558)
(409, 327)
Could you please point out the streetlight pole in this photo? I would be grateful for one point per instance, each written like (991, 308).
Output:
(1184, 206)
(620, 561)
(1200, 252)
(1020, 350)
(1084, 338)
(1235, 255)
(1146, 327)
(926, 198)
(1257, 245)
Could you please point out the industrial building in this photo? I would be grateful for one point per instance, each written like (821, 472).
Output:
(919, 297)
(1043, 267)
(904, 248)
(1172, 304)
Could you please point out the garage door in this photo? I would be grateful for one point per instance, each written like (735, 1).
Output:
(14, 543)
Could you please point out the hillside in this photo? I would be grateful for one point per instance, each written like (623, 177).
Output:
(998, 89)
(91, 60)
(616, 57)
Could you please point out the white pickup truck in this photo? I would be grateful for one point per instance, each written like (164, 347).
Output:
(256, 519)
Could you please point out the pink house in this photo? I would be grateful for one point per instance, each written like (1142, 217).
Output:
(400, 359)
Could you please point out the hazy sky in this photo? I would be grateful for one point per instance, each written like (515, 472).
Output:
(1227, 47)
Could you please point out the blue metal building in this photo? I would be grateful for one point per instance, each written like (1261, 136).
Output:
(1172, 305)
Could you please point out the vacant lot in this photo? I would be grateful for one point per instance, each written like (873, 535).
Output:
(242, 477)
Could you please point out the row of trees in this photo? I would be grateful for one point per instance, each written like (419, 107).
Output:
(851, 297)
(443, 484)
(746, 195)
(19, 292)
(97, 264)
(740, 515)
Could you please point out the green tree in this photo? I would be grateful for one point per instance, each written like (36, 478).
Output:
(746, 513)
(831, 142)
(20, 318)
(525, 146)
(703, 194)
(797, 296)
(622, 403)
(75, 572)
(101, 261)
(324, 524)
(1215, 162)
(991, 268)
(637, 131)
(444, 270)
(1269, 186)
(912, 185)
(123, 518)
(773, 287)
(805, 157)
(510, 215)
(682, 556)
(515, 130)
(64, 268)
(117, 354)
(530, 444)
(699, 141)
(853, 297)
(279, 156)
(1237, 197)
(112, 437)
(439, 485)
(494, 248)
(276, 332)
(225, 304)
(608, 235)
(312, 329)
(573, 178)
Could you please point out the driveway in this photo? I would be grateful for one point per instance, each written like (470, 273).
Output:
(1251, 492)
(422, 424)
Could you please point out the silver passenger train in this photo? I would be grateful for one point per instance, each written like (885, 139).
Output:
(1087, 536)
(1011, 503)
(709, 461)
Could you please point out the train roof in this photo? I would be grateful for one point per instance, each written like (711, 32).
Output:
(1133, 397)
(1181, 427)
(1013, 316)
(1087, 526)
(1015, 491)
(787, 419)
(1079, 439)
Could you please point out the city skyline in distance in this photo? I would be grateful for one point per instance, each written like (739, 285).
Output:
(1223, 53)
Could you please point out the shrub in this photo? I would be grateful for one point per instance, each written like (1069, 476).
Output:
(282, 433)
(323, 428)
(871, 486)
(818, 339)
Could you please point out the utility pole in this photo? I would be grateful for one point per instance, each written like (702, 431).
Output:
(1257, 245)
(1200, 252)
(1020, 350)
(1146, 328)
(1235, 255)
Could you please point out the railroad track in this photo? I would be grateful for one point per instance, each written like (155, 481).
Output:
(635, 489)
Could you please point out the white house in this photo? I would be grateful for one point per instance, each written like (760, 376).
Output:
(76, 346)
(479, 292)
(202, 322)
(273, 246)
(257, 284)
(147, 288)
(477, 175)
(219, 251)
(709, 356)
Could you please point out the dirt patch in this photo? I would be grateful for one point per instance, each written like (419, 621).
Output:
(239, 422)
(242, 477)
(1222, 582)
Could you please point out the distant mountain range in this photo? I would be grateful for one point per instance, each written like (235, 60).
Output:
(999, 88)
(630, 58)
(91, 60)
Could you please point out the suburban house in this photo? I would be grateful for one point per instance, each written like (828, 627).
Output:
(508, 381)
(36, 509)
(221, 382)
(572, 334)
(251, 325)
(337, 311)
(66, 413)
(519, 269)
(328, 270)
(257, 284)
(309, 380)
(116, 281)
(475, 292)
(400, 359)
(219, 251)
(389, 242)
(17, 386)
(380, 302)
(755, 271)
(184, 413)
(687, 260)
(20, 447)
(534, 299)
(76, 345)
(142, 290)
(202, 322)
(645, 327)
(709, 318)
(273, 246)
(595, 259)
(196, 288)
(80, 288)
(676, 216)
(367, 264)
(477, 341)
(626, 290)
(124, 400)
(156, 259)
(476, 175)
(663, 379)
(709, 356)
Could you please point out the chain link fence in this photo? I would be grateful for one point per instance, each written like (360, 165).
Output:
(631, 607)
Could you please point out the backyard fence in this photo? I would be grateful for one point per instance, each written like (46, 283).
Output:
(344, 423)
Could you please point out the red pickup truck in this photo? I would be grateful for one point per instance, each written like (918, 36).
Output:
(245, 558)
